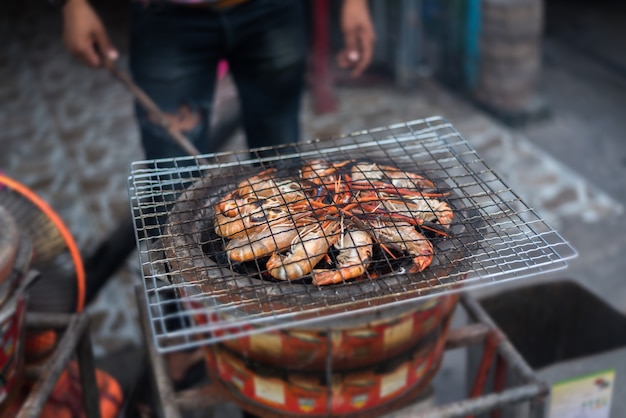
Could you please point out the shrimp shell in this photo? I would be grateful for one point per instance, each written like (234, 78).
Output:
(355, 254)
(307, 249)
(405, 237)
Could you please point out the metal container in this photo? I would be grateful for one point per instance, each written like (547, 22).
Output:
(577, 346)
(358, 393)
(346, 345)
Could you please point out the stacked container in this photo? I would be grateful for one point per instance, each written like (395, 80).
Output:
(357, 367)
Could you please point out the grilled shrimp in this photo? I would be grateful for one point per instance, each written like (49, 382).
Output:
(294, 219)
(258, 185)
(328, 179)
(307, 249)
(431, 209)
(231, 205)
(228, 227)
(355, 253)
(405, 237)
(428, 210)
(371, 172)
(265, 186)
(264, 240)
(318, 171)
(235, 219)
(322, 171)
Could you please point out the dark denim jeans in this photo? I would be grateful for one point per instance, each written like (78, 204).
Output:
(174, 53)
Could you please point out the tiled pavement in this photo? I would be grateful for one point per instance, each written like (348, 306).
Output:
(68, 133)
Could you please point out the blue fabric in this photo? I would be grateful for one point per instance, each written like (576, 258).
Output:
(174, 53)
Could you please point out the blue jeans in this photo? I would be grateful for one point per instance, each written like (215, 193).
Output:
(174, 53)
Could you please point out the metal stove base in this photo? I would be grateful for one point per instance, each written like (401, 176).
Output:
(76, 341)
(499, 357)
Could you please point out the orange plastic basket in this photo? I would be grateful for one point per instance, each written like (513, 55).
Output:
(61, 285)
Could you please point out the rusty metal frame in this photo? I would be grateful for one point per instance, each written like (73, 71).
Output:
(76, 340)
(498, 354)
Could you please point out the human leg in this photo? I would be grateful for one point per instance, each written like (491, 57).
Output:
(267, 57)
(174, 61)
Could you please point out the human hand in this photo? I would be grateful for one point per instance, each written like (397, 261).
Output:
(358, 37)
(84, 34)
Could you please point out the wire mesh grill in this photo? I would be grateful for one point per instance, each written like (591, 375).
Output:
(200, 292)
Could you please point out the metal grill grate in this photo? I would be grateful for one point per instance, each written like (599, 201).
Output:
(197, 294)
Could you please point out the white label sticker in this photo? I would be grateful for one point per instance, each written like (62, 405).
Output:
(269, 390)
(398, 334)
(394, 381)
(586, 396)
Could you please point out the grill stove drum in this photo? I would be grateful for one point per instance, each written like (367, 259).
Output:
(371, 364)
(357, 352)
(366, 391)
(15, 257)
(349, 344)
(252, 323)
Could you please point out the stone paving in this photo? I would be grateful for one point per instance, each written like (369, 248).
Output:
(69, 134)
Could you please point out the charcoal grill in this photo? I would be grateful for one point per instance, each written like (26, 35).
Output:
(495, 236)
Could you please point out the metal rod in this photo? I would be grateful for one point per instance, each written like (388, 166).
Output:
(151, 107)
(489, 349)
(499, 382)
(84, 357)
(483, 403)
(159, 375)
(505, 348)
(534, 391)
(42, 389)
(538, 407)
(38, 320)
(468, 335)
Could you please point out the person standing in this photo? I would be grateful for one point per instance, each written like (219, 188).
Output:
(175, 48)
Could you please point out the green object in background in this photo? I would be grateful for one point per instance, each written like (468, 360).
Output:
(454, 26)
(471, 52)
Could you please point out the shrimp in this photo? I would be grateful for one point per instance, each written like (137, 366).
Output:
(431, 209)
(306, 250)
(328, 179)
(256, 185)
(293, 221)
(319, 171)
(355, 253)
(316, 170)
(264, 240)
(322, 171)
(250, 214)
(230, 227)
(231, 205)
(405, 237)
(266, 186)
(428, 210)
(372, 172)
